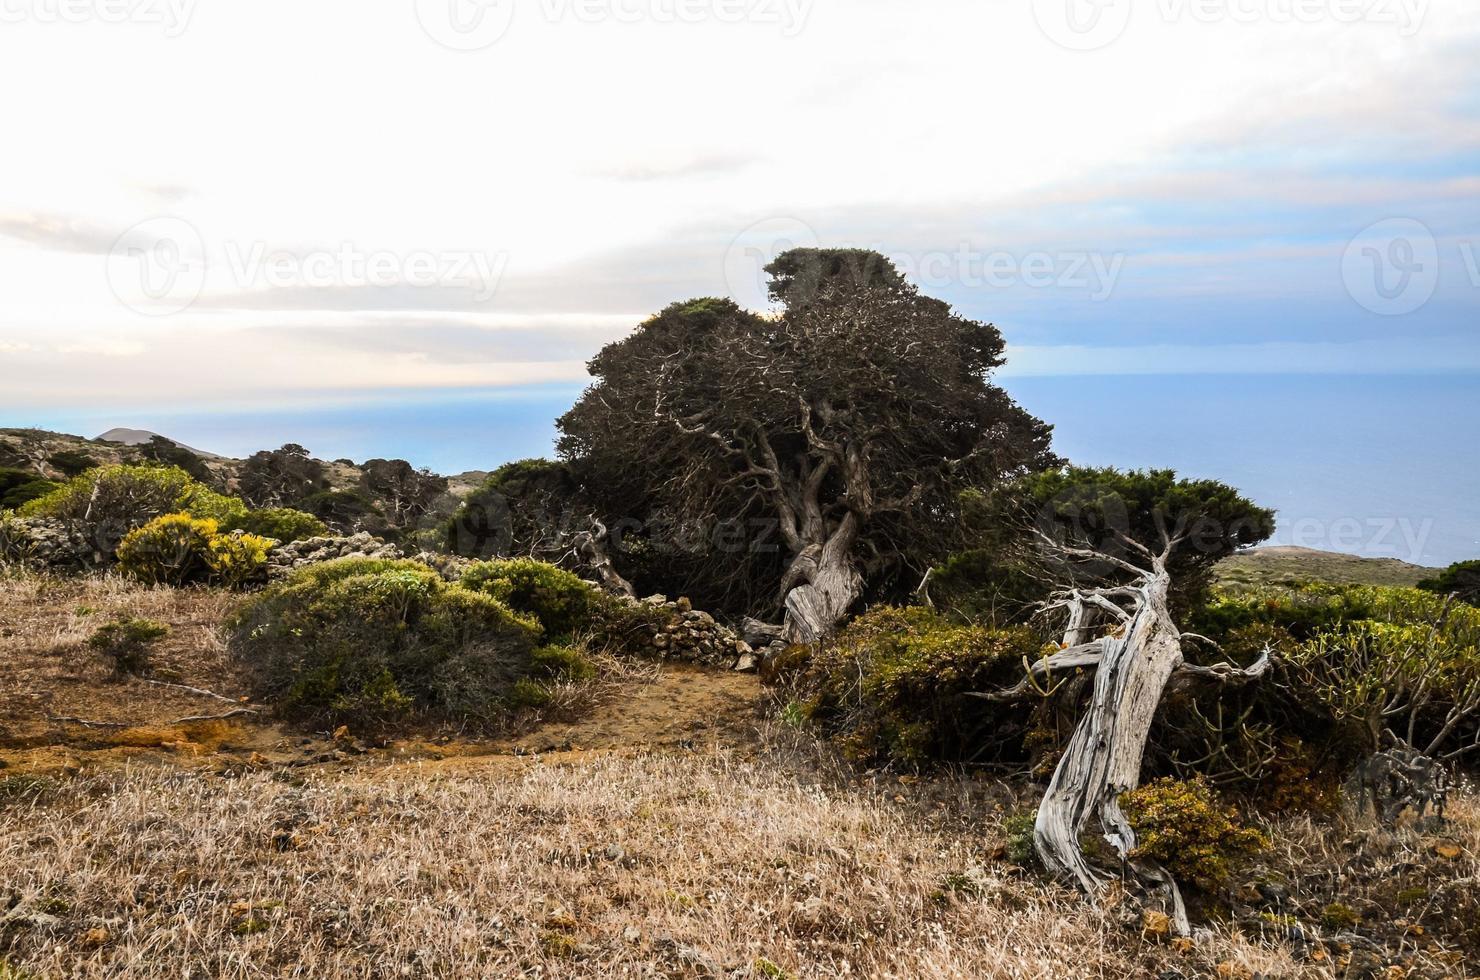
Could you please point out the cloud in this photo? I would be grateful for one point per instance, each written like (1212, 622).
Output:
(710, 165)
(58, 233)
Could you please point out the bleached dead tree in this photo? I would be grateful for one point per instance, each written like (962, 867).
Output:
(1120, 625)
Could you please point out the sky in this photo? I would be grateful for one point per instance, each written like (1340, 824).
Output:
(237, 207)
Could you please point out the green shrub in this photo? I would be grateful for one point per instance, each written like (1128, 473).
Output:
(71, 462)
(169, 550)
(1022, 849)
(108, 502)
(126, 495)
(894, 686)
(283, 523)
(127, 643)
(1189, 830)
(375, 641)
(1462, 579)
(1412, 670)
(559, 600)
(18, 487)
(1356, 667)
(562, 663)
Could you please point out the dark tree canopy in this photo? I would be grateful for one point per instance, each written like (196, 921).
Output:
(281, 477)
(1100, 518)
(167, 452)
(821, 451)
(1461, 580)
(522, 508)
(406, 492)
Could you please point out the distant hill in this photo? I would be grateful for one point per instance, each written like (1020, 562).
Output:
(1283, 563)
(138, 437)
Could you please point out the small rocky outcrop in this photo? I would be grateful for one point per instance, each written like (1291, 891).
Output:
(284, 558)
(56, 545)
(675, 630)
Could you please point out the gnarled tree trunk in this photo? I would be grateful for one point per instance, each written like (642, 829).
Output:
(822, 585)
(1103, 758)
(1139, 653)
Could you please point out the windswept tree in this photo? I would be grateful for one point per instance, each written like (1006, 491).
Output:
(1117, 543)
(281, 477)
(847, 425)
(535, 508)
(405, 491)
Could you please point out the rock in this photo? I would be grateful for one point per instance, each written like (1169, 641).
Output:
(745, 663)
(284, 559)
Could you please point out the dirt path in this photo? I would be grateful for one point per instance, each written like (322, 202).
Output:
(61, 709)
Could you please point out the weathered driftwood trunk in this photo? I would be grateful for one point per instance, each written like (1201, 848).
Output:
(1103, 758)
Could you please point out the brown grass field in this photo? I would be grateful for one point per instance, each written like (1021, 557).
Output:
(671, 831)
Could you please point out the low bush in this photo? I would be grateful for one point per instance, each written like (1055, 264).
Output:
(18, 487)
(169, 550)
(127, 641)
(1189, 830)
(561, 601)
(562, 663)
(238, 560)
(178, 549)
(1356, 667)
(895, 686)
(282, 523)
(373, 642)
(108, 502)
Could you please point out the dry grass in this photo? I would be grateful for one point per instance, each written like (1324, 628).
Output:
(660, 865)
(45, 623)
(756, 857)
(1279, 565)
(1415, 893)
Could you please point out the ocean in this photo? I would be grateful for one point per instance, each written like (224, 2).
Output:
(1373, 465)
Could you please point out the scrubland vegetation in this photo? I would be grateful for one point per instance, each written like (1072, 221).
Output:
(1009, 716)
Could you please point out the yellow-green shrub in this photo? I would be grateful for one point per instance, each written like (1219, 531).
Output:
(237, 560)
(560, 600)
(283, 523)
(178, 549)
(169, 550)
(373, 642)
(105, 503)
(894, 686)
(1185, 826)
